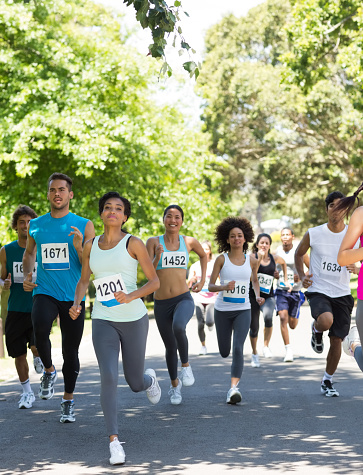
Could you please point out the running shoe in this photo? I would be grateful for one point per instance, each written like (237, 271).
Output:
(267, 353)
(38, 365)
(317, 343)
(255, 361)
(203, 350)
(67, 412)
(328, 389)
(153, 392)
(47, 381)
(175, 394)
(210, 327)
(233, 396)
(289, 356)
(352, 337)
(117, 452)
(26, 400)
(186, 376)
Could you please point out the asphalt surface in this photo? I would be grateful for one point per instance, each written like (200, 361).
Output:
(284, 424)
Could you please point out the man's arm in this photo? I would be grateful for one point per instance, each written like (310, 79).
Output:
(5, 278)
(79, 238)
(300, 252)
(29, 258)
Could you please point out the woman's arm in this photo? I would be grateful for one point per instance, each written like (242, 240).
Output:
(255, 263)
(154, 250)
(83, 282)
(194, 245)
(138, 251)
(212, 287)
(347, 255)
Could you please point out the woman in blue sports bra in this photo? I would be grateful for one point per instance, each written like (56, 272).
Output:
(173, 304)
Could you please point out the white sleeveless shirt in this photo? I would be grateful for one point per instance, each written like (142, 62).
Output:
(329, 278)
(238, 298)
(289, 258)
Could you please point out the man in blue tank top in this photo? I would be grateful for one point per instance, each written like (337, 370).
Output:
(56, 240)
(18, 324)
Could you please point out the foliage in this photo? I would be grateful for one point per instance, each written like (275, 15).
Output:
(162, 20)
(288, 148)
(74, 98)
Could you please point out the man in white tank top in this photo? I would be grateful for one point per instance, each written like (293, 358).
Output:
(329, 294)
(288, 299)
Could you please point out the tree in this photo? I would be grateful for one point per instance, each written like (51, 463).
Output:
(162, 20)
(286, 148)
(74, 98)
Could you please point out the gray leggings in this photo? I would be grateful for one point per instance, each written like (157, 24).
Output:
(172, 316)
(237, 321)
(207, 311)
(358, 355)
(107, 337)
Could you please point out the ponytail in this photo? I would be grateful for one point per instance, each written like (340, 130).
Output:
(347, 204)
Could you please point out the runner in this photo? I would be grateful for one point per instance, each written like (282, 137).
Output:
(204, 300)
(288, 300)
(173, 304)
(266, 271)
(329, 294)
(18, 325)
(232, 310)
(113, 258)
(56, 240)
(348, 254)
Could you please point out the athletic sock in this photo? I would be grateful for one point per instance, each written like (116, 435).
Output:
(65, 400)
(26, 386)
(287, 346)
(328, 377)
(315, 330)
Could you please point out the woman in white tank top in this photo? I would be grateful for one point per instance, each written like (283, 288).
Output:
(232, 310)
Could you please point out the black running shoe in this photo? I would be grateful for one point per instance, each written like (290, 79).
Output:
(316, 340)
(328, 389)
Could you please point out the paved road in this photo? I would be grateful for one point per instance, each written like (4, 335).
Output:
(284, 424)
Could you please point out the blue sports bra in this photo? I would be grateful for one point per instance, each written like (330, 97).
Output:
(173, 259)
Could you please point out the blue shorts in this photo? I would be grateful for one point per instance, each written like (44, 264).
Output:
(289, 301)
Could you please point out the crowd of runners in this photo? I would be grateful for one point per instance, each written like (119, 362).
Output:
(48, 268)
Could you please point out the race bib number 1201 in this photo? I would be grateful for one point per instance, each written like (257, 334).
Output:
(55, 256)
(106, 287)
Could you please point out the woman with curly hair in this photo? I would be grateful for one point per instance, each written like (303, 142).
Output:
(232, 309)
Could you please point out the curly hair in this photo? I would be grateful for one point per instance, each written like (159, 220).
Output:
(223, 229)
(22, 210)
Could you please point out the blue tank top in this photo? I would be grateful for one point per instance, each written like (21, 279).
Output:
(19, 300)
(59, 268)
(173, 259)
(114, 270)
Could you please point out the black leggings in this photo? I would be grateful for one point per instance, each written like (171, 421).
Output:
(172, 316)
(44, 312)
(204, 310)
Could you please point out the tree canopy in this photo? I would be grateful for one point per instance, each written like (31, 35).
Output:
(287, 146)
(75, 98)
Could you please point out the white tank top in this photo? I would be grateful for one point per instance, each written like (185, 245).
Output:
(289, 258)
(238, 298)
(329, 278)
(113, 268)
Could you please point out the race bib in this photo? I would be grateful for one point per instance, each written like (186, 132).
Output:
(330, 268)
(238, 294)
(106, 287)
(265, 282)
(173, 259)
(55, 256)
(290, 277)
(18, 273)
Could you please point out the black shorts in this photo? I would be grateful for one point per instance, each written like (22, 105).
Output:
(18, 333)
(340, 307)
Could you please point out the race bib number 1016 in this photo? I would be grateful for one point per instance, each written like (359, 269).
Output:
(238, 294)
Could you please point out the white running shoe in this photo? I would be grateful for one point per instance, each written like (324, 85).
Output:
(210, 327)
(117, 452)
(203, 350)
(153, 392)
(233, 396)
(328, 389)
(267, 353)
(67, 412)
(26, 400)
(352, 337)
(186, 376)
(289, 356)
(255, 361)
(46, 388)
(38, 364)
(175, 394)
